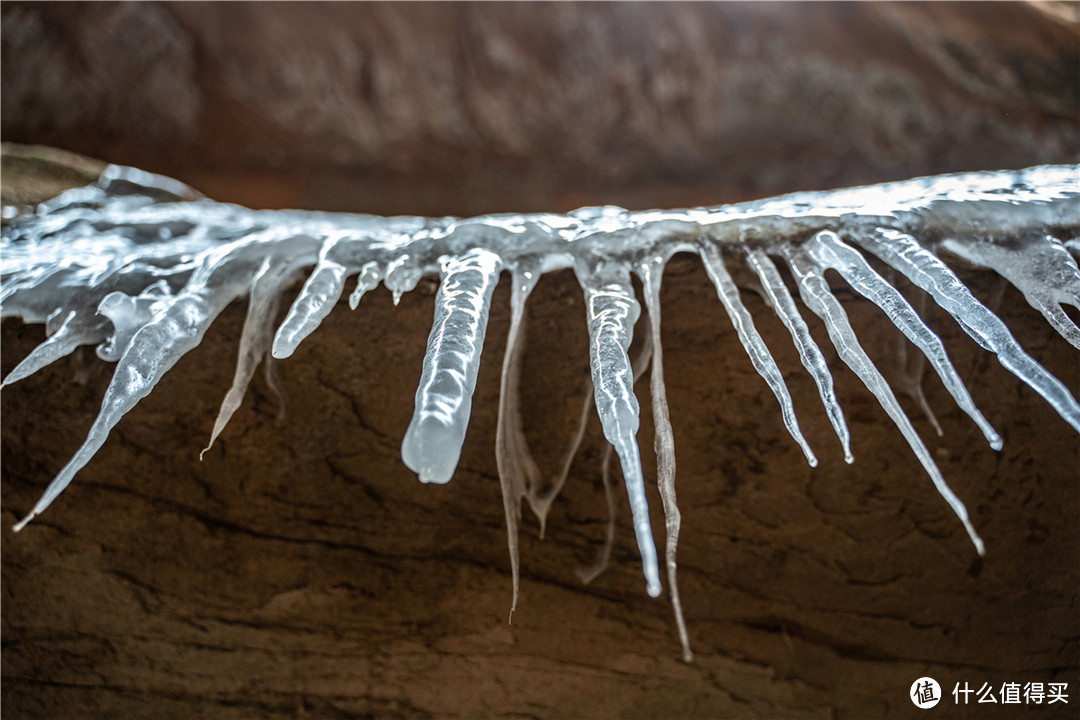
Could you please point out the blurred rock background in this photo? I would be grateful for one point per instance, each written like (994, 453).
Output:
(465, 108)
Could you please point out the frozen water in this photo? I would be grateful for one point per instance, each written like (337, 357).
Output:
(140, 266)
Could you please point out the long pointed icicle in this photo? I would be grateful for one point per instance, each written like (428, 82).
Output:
(651, 274)
(923, 268)
(828, 250)
(816, 294)
(612, 311)
(71, 334)
(265, 298)
(589, 573)
(433, 440)
(517, 469)
(809, 352)
(753, 342)
(152, 353)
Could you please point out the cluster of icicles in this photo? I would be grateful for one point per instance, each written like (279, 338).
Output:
(141, 265)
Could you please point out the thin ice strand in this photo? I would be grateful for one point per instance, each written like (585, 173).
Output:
(603, 561)
(255, 338)
(809, 352)
(541, 496)
(651, 274)
(913, 367)
(516, 465)
(753, 343)
(816, 294)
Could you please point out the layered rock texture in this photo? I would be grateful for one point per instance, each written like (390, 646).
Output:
(301, 570)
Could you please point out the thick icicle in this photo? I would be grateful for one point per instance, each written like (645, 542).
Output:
(1039, 266)
(433, 440)
(517, 469)
(816, 294)
(612, 311)
(829, 251)
(263, 303)
(809, 352)
(752, 341)
(927, 271)
(651, 273)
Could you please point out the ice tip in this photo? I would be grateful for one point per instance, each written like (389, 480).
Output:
(22, 523)
(281, 349)
(653, 587)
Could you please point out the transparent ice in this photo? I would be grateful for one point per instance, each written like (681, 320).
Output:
(140, 266)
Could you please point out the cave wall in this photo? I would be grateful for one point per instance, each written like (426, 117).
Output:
(300, 569)
(465, 108)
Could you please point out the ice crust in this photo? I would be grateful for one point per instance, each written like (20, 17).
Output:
(140, 266)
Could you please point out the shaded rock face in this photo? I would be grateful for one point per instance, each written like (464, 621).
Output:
(300, 569)
(471, 108)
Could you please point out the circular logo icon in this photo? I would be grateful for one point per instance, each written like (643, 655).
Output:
(925, 693)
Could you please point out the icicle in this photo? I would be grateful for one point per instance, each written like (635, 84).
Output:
(153, 351)
(74, 331)
(315, 301)
(432, 443)
(815, 293)
(517, 469)
(612, 311)
(402, 274)
(928, 272)
(828, 250)
(809, 353)
(588, 574)
(651, 273)
(369, 277)
(752, 341)
(265, 298)
(1038, 265)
